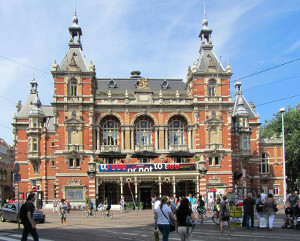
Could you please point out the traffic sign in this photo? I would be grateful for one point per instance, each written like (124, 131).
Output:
(34, 189)
(17, 177)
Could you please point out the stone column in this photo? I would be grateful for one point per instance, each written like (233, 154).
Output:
(189, 139)
(98, 138)
(135, 188)
(122, 139)
(121, 186)
(132, 139)
(166, 140)
(159, 186)
(197, 186)
(156, 140)
(174, 185)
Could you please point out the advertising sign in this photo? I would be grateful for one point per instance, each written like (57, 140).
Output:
(146, 167)
(236, 216)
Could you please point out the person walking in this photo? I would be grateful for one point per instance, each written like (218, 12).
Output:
(27, 220)
(269, 205)
(259, 209)
(63, 211)
(54, 205)
(163, 217)
(182, 213)
(249, 207)
(201, 208)
(224, 213)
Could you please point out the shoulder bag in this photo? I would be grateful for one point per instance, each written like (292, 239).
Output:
(172, 226)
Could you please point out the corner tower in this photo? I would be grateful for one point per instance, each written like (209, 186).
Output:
(208, 84)
(73, 108)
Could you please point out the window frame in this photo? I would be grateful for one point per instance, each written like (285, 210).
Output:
(264, 164)
(211, 88)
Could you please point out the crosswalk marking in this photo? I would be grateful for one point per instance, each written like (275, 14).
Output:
(17, 237)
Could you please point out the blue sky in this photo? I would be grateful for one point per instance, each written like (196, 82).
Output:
(159, 38)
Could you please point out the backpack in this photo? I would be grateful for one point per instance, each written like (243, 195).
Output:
(23, 212)
(259, 206)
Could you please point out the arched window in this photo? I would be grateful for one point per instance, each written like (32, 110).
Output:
(110, 131)
(176, 132)
(211, 88)
(73, 88)
(143, 130)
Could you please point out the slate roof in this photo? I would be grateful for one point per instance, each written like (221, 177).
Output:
(206, 56)
(78, 56)
(130, 85)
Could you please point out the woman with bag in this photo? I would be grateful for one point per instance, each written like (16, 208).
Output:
(269, 208)
(259, 210)
(163, 217)
(224, 213)
(183, 212)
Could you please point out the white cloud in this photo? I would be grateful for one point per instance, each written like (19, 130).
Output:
(292, 48)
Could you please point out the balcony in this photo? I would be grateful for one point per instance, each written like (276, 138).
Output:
(108, 148)
(73, 148)
(178, 148)
(214, 146)
(139, 148)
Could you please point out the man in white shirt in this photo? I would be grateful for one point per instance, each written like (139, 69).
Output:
(263, 196)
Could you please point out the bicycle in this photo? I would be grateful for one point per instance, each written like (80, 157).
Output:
(214, 217)
(89, 213)
(103, 214)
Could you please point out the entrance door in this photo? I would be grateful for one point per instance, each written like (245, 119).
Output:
(180, 189)
(111, 192)
(145, 197)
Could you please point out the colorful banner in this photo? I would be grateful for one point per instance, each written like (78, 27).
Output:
(146, 167)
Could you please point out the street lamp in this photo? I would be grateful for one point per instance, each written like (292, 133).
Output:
(92, 170)
(202, 168)
(282, 111)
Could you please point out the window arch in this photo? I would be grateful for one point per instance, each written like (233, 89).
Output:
(211, 88)
(143, 131)
(177, 128)
(110, 132)
(73, 88)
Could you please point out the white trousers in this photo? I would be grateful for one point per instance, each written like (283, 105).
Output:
(270, 219)
(183, 234)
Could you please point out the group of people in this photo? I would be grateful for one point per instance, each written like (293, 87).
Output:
(170, 214)
(105, 207)
(57, 202)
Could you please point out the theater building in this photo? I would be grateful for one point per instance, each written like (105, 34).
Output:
(105, 138)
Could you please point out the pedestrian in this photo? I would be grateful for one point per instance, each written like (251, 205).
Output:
(183, 212)
(27, 219)
(269, 210)
(293, 202)
(153, 200)
(122, 204)
(54, 205)
(224, 213)
(63, 211)
(259, 209)
(68, 205)
(91, 207)
(201, 208)
(194, 204)
(249, 207)
(163, 217)
(210, 203)
(263, 195)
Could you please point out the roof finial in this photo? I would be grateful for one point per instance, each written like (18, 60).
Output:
(204, 11)
(204, 22)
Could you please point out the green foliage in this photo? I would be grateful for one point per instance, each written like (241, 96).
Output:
(86, 200)
(273, 127)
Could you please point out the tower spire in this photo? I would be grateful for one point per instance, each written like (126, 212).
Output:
(205, 34)
(75, 31)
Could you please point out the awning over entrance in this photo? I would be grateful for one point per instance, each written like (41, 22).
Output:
(145, 154)
(183, 154)
(112, 154)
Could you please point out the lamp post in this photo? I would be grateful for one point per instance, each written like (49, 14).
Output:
(282, 111)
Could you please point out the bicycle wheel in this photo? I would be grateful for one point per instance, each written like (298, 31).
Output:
(216, 219)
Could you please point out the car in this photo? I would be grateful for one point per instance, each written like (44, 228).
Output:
(10, 212)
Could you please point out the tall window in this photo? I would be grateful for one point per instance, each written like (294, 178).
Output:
(246, 144)
(211, 88)
(214, 161)
(34, 144)
(176, 133)
(143, 133)
(74, 163)
(110, 131)
(264, 164)
(73, 88)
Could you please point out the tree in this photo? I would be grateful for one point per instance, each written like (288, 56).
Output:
(273, 127)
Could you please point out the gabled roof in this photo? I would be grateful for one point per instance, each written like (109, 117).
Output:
(78, 56)
(208, 61)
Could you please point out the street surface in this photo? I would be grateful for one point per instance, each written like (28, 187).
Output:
(135, 226)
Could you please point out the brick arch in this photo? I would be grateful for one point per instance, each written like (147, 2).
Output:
(183, 115)
(151, 116)
(69, 79)
(104, 115)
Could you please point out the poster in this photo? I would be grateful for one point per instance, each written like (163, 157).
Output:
(236, 216)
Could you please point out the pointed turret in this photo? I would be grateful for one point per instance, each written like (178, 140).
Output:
(205, 33)
(36, 110)
(75, 31)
